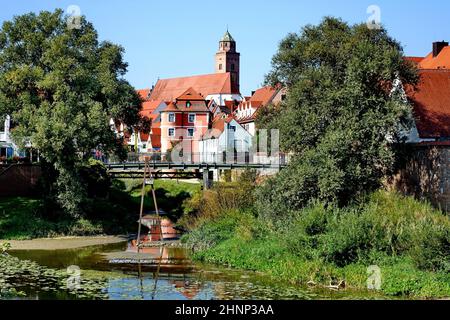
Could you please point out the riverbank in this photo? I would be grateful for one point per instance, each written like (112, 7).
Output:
(64, 243)
(25, 218)
(390, 241)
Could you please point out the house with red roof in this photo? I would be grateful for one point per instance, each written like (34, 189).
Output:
(225, 142)
(430, 99)
(184, 121)
(426, 174)
(149, 142)
(190, 101)
(247, 110)
(139, 141)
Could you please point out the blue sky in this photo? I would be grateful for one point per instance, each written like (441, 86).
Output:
(170, 38)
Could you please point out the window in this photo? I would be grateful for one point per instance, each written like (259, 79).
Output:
(220, 66)
(171, 132)
(188, 104)
(171, 117)
(191, 118)
(232, 67)
(190, 132)
(232, 128)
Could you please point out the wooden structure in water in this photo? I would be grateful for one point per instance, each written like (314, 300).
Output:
(154, 223)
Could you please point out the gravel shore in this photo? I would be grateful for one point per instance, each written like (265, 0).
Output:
(63, 243)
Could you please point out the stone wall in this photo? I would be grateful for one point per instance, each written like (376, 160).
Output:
(19, 180)
(426, 175)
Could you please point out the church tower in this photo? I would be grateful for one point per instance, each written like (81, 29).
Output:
(228, 60)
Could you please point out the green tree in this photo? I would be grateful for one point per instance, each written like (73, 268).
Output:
(342, 116)
(62, 86)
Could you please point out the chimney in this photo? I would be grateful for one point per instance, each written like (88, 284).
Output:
(437, 47)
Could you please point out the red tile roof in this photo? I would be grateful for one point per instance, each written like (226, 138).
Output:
(156, 141)
(441, 61)
(248, 119)
(416, 60)
(190, 95)
(249, 104)
(144, 136)
(264, 95)
(171, 108)
(149, 108)
(218, 124)
(431, 103)
(231, 105)
(144, 93)
(169, 89)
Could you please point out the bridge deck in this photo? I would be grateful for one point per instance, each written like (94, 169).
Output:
(192, 166)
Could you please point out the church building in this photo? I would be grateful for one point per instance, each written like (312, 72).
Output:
(222, 86)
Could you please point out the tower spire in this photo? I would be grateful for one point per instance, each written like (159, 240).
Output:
(228, 59)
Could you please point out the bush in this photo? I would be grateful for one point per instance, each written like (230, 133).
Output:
(385, 223)
(407, 239)
(222, 198)
(95, 176)
(215, 231)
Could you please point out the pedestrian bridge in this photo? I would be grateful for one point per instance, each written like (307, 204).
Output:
(192, 167)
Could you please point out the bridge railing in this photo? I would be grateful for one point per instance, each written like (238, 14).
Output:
(239, 158)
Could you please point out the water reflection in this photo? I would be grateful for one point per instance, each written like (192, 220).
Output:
(162, 273)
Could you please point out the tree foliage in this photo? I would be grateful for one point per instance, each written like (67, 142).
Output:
(62, 86)
(342, 114)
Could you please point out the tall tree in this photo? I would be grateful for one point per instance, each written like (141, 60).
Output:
(61, 87)
(341, 117)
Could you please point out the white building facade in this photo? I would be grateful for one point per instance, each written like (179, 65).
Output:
(7, 147)
(227, 141)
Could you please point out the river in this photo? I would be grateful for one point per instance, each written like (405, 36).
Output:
(176, 278)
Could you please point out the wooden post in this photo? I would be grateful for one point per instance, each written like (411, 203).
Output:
(206, 182)
(154, 199)
(208, 178)
(156, 207)
(142, 208)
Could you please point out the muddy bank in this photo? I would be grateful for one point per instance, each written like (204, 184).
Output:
(63, 243)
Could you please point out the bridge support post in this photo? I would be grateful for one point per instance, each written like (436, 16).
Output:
(207, 180)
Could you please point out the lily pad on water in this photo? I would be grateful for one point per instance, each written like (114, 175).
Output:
(15, 273)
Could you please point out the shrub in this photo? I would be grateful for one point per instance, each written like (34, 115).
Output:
(385, 223)
(215, 231)
(223, 197)
(94, 174)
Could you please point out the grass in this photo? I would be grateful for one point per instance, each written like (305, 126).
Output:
(408, 240)
(23, 218)
(171, 196)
